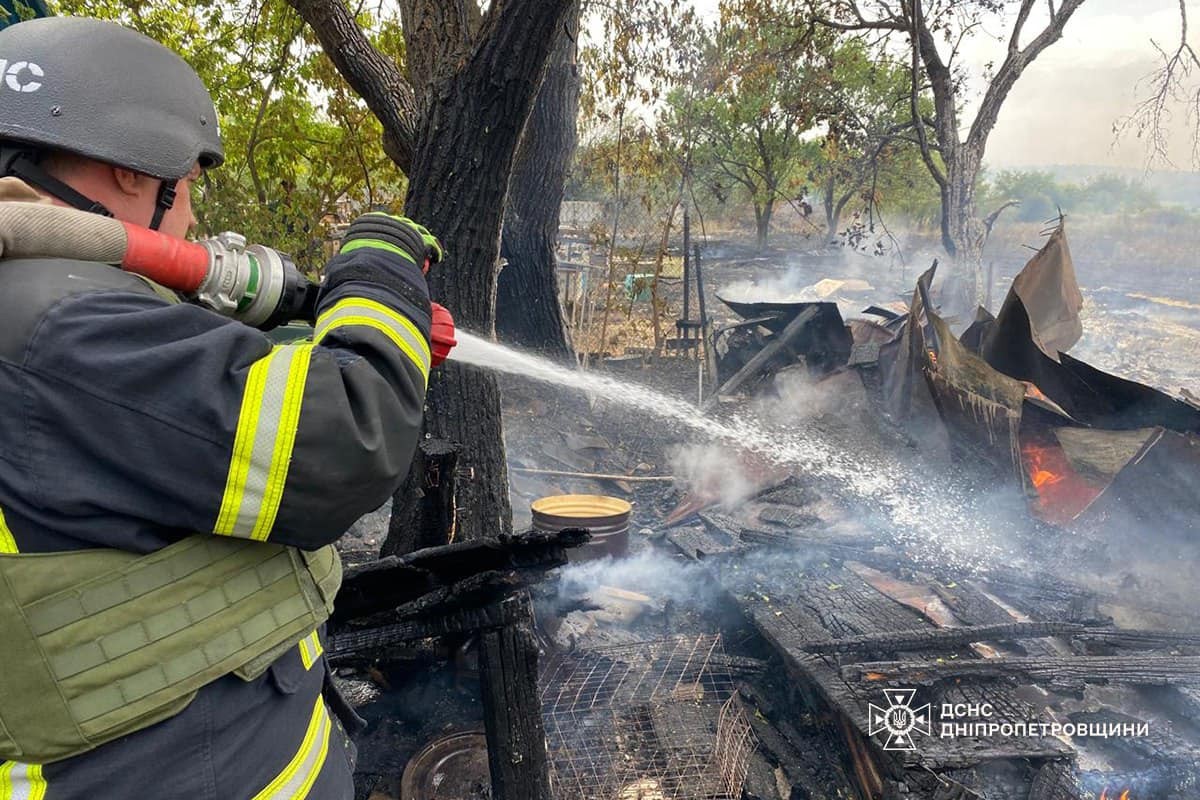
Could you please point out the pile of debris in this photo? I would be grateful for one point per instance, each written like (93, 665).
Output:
(1092, 450)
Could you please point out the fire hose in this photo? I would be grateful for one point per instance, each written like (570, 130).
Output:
(253, 284)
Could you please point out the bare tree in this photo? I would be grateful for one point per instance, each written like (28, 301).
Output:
(453, 124)
(1170, 85)
(935, 30)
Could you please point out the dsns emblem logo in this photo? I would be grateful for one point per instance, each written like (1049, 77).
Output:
(899, 719)
(21, 76)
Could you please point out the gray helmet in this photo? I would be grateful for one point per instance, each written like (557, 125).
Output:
(106, 92)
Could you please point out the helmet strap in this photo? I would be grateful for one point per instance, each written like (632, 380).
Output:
(166, 199)
(23, 165)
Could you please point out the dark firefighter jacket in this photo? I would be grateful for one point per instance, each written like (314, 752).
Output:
(130, 422)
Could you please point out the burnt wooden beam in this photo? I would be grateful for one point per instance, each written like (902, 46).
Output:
(393, 581)
(474, 592)
(1055, 781)
(537, 550)
(939, 639)
(1140, 639)
(1069, 671)
(512, 708)
(974, 607)
(428, 622)
(760, 359)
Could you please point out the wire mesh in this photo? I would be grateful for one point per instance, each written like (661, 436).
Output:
(649, 721)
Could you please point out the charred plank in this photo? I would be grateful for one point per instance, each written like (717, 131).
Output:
(974, 607)
(358, 641)
(940, 639)
(1069, 672)
(1140, 639)
(395, 580)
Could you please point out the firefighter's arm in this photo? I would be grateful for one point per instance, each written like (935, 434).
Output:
(172, 414)
(359, 411)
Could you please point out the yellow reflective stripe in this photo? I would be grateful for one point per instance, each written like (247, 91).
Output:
(378, 244)
(7, 545)
(368, 313)
(310, 649)
(262, 446)
(306, 657)
(21, 781)
(301, 773)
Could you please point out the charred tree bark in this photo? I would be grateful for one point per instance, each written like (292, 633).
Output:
(428, 500)
(459, 182)
(437, 35)
(458, 152)
(528, 311)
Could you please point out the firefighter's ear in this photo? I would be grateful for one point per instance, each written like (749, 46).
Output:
(133, 184)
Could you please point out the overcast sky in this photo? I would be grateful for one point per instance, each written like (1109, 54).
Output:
(1063, 109)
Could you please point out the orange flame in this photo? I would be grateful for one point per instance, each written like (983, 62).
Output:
(1038, 472)
(1062, 492)
(1125, 795)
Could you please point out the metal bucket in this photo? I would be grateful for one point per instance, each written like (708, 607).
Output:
(606, 517)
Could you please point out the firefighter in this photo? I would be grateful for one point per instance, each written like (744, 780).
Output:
(171, 484)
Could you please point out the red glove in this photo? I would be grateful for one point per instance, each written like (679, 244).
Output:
(441, 334)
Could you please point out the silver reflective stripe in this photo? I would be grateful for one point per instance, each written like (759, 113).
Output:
(21, 781)
(298, 777)
(262, 449)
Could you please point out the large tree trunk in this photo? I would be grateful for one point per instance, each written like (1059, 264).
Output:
(528, 311)
(457, 146)
(962, 230)
(458, 182)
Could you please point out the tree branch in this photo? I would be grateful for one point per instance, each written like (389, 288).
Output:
(1014, 64)
(939, 176)
(370, 74)
(1014, 42)
(1168, 84)
(857, 20)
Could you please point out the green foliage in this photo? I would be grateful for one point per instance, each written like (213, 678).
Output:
(298, 142)
(14, 11)
(1041, 196)
(755, 111)
(868, 156)
(755, 96)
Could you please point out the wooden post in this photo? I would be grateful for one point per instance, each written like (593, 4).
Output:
(687, 290)
(431, 523)
(512, 708)
(699, 285)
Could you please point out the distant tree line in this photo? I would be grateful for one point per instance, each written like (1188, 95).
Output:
(1042, 196)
